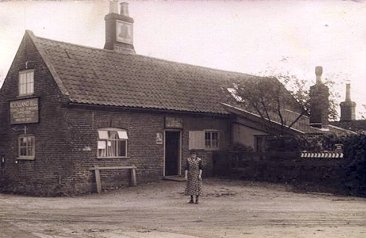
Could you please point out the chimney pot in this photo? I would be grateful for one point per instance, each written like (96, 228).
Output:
(113, 6)
(318, 73)
(124, 9)
(348, 92)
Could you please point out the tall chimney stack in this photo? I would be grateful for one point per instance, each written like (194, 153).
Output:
(319, 101)
(318, 73)
(119, 28)
(348, 108)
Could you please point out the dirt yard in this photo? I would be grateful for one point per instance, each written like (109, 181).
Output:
(227, 209)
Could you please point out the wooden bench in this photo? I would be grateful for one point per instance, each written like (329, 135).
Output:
(98, 181)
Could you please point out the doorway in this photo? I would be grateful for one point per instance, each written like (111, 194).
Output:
(172, 153)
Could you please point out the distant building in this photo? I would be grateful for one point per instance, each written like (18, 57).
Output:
(66, 108)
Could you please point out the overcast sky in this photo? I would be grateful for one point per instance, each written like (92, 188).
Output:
(244, 36)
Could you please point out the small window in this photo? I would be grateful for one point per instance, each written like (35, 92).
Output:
(208, 139)
(211, 139)
(26, 82)
(112, 143)
(26, 147)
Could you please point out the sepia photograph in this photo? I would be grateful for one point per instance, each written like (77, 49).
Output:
(182, 119)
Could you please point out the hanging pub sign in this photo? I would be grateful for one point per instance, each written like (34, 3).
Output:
(173, 122)
(24, 111)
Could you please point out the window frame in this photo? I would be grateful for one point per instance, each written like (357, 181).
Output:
(211, 132)
(111, 143)
(28, 86)
(33, 147)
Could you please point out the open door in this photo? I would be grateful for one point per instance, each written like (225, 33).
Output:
(172, 153)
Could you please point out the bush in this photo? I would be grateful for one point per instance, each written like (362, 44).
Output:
(355, 166)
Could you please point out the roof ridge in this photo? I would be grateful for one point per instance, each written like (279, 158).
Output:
(149, 57)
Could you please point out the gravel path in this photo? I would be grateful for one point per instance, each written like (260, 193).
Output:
(227, 209)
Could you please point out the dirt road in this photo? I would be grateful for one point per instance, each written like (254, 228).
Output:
(227, 209)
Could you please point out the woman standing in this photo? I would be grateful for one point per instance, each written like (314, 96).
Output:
(193, 175)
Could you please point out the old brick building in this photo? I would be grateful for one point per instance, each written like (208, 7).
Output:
(66, 108)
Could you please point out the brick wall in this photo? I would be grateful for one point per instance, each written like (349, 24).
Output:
(66, 138)
(143, 152)
(43, 174)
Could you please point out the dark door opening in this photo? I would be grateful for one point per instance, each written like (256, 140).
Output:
(172, 152)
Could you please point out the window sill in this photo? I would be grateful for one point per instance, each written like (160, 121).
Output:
(113, 157)
(26, 96)
(25, 158)
(212, 149)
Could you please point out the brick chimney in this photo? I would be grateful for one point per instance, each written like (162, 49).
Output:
(348, 108)
(319, 101)
(119, 28)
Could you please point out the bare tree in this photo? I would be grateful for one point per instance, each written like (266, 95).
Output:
(283, 99)
(363, 114)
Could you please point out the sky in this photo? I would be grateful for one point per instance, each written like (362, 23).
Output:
(256, 37)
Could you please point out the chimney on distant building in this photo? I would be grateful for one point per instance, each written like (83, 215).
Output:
(119, 28)
(319, 101)
(348, 108)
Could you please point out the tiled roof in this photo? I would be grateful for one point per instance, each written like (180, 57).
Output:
(354, 125)
(302, 126)
(104, 77)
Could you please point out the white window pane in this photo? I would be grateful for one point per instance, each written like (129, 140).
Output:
(101, 145)
(22, 78)
(109, 143)
(26, 82)
(21, 89)
(103, 134)
(122, 135)
(30, 76)
(196, 140)
(30, 88)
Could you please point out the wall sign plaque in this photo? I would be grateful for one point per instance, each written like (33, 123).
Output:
(24, 111)
(173, 122)
(159, 138)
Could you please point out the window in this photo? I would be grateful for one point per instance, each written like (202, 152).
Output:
(26, 147)
(196, 140)
(211, 139)
(26, 82)
(112, 143)
(208, 139)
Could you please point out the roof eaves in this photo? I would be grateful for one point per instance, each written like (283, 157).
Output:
(146, 108)
(342, 129)
(50, 67)
(242, 111)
